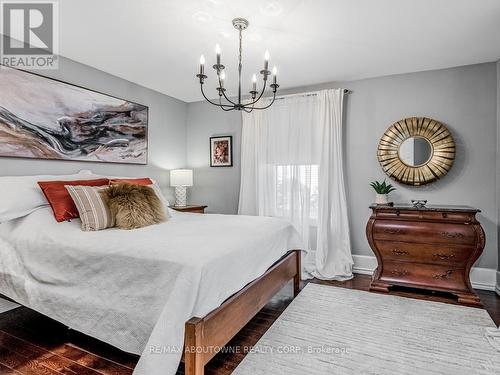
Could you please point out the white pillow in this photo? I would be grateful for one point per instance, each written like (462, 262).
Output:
(21, 195)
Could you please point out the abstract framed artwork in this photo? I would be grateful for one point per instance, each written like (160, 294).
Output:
(221, 151)
(44, 118)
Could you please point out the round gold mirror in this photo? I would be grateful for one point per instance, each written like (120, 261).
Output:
(416, 151)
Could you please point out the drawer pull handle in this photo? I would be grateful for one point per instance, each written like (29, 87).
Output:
(452, 234)
(400, 273)
(394, 231)
(443, 256)
(399, 252)
(442, 275)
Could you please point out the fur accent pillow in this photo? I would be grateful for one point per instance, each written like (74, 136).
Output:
(134, 206)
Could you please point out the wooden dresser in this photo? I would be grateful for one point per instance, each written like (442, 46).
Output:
(430, 248)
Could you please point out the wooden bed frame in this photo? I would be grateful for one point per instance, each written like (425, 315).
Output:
(205, 336)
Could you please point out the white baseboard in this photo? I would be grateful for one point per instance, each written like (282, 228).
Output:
(364, 264)
(481, 278)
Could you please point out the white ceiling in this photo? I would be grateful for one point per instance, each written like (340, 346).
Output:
(157, 43)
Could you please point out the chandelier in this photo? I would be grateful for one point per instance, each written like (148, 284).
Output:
(224, 102)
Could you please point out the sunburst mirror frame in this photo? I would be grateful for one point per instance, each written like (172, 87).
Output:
(438, 164)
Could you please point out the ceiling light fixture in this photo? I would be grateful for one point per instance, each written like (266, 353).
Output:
(239, 24)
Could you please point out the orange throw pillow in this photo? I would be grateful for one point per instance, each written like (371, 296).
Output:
(59, 199)
(134, 181)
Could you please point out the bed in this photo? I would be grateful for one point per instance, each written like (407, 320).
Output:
(186, 286)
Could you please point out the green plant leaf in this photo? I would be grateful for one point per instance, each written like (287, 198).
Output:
(382, 188)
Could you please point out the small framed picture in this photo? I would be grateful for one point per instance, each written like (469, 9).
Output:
(221, 151)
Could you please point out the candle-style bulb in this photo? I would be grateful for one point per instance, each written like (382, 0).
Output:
(275, 73)
(217, 52)
(222, 78)
(202, 64)
(266, 60)
(254, 78)
(254, 82)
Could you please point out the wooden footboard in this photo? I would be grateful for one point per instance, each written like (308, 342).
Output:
(204, 336)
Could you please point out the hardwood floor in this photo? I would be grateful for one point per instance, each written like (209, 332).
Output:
(33, 344)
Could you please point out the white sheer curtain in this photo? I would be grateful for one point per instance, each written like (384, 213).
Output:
(292, 167)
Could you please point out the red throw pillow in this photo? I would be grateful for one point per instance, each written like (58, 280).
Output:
(59, 199)
(134, 181)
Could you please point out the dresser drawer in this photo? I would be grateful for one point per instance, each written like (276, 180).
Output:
(424, 275)
(424, 253)
(452, 217)
(423, 232)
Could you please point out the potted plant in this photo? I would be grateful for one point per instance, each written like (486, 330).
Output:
(382, 190)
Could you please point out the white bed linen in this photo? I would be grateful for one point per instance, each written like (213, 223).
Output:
(136, 289)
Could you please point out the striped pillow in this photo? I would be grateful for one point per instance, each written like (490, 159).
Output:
(94, 213)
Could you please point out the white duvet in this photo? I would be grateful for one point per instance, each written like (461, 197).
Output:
(136, 289)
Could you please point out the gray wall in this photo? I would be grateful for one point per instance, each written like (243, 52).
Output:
(463, 98)
(167, 129)
(216, 187)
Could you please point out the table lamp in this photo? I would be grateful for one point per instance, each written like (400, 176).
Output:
(180, 178)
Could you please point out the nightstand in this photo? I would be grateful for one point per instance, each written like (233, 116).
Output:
(190, 208)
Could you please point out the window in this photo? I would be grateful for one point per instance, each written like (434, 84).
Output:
(297, 185)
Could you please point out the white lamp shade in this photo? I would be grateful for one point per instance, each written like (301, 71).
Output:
(181, 177)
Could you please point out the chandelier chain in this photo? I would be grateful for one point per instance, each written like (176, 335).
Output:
(240, 67)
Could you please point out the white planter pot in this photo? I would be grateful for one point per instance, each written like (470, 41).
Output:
(381, 199)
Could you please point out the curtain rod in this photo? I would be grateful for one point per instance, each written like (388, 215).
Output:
(311, 93)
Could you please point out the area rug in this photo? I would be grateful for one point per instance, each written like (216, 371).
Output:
(331, 330)
(6, 305)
